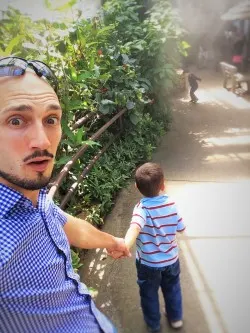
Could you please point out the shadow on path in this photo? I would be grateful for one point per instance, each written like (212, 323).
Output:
(206, 159)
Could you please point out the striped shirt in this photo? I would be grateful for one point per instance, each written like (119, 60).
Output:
(158, 219)
(39, 290)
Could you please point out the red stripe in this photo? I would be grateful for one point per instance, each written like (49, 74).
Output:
(161, 206)
(139, 216)
(180, 219)
(154, 252)
(136, 224)
(146, 233)
(162, 217)
(164, 225)
(165, 243)
(159, 262)
(181, 230)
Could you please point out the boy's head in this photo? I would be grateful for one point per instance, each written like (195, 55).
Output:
(149, 179)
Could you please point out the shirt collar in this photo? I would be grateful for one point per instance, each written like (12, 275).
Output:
(10, 197)
(157, 199)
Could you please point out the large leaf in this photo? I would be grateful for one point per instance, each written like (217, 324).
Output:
(85, 75)
(66, 6)
(105, 109)
(15, 41)
(107, 102)
(130, 105)
(56, 5)
(63, 160)
(134, 118)
(75, 104)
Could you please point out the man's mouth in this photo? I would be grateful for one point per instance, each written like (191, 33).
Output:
(39, 165)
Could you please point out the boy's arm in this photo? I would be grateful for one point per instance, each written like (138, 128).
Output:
(196, 77)
(131, 235)
(181, 226)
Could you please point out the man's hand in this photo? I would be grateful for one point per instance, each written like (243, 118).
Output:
(119, 250)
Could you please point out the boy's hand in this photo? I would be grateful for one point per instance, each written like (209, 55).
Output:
(119, 250)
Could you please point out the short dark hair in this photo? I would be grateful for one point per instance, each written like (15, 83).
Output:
(149, 178)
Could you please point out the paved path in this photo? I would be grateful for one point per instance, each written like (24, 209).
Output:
(206, 158)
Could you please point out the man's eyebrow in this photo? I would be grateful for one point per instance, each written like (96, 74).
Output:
(18, 108)
(53, 107)
(25, 107)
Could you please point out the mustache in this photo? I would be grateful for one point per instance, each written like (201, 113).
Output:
(38, 153)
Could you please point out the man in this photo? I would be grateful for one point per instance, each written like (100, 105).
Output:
(39, 291)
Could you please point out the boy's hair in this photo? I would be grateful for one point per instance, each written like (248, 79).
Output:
(149, 178)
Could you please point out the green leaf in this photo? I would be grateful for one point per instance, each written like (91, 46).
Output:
(68, 132)
(73, 74)
(66, 6)
(125, 58)
(107, 102)
(105, 109)
(185, 45)
(134, 118)
(75, 104)
(48, 4)
(63, 160)
(85, 75)
(79, 135)
(15, 41)
(130, 105)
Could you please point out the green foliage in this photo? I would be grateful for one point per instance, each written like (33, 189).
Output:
(105, 64)
(75, 260)
(113, 170)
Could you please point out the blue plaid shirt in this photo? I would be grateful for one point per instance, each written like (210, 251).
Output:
(39, 291)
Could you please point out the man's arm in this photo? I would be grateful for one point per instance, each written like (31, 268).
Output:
(83, 235)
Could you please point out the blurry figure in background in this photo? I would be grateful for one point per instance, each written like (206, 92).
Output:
(203, 52)
(219, 50)
(237, 57)
(238, 49)
(192, 80)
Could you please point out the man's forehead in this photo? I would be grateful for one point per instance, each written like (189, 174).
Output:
(26, 87)
(24, 82)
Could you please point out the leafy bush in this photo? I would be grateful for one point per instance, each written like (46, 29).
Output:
(117, 60)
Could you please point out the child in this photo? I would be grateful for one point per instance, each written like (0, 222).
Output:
(192, 79)
(154, 224)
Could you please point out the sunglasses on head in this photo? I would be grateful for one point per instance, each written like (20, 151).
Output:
(15, 66)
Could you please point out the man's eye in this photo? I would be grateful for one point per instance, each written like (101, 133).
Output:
(16, 122)
(52, 121)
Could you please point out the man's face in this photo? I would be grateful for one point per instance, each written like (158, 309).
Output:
(30, 131)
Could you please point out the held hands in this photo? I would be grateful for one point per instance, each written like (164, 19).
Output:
(119, 250)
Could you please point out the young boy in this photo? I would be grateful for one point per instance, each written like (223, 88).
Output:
(154, 224)
(192, 79)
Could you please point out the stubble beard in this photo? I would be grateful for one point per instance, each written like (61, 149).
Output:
(26, 184)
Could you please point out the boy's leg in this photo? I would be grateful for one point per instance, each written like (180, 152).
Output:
(149, 280)
(192, 93)
(171, 289)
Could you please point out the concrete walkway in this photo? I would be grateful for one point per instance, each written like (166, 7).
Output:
(206, 159)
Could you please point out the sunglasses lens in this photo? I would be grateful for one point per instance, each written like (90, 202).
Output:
(12, 67)
(45, 71)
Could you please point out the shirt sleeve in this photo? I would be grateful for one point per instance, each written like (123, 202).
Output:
(180, 226)
(139, 216)
(59, 214)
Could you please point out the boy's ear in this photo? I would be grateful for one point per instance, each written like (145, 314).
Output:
(163, 186)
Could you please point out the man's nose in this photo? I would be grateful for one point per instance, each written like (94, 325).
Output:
(39, 138)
